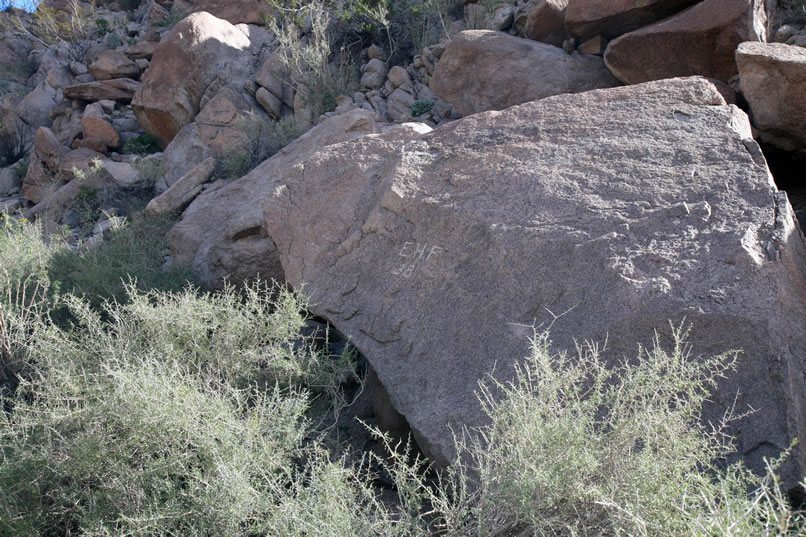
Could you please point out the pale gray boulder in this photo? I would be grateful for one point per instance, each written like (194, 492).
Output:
(615, 211)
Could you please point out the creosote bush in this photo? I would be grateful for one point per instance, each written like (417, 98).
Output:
(185, 413)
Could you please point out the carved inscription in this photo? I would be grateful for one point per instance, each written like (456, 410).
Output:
(415, 256)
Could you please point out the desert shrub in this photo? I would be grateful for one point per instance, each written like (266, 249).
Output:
(314, 76)
(113, 41)
(134, 250)
(70, 30)
(15, 141)
(144, 144)
(102, 26)
(262, 138)
(579, 447)
(150, 170)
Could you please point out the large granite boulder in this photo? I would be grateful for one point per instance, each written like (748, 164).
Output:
(700, 40)
(509, 70)
(200, 50)
(609, 213)
(545, 21)
(772, 77)
(221, 233)
(112, 64)
(587, 18)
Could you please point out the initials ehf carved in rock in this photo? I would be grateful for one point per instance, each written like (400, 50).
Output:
(416, 256)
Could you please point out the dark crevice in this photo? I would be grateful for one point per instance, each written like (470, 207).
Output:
(788, 172)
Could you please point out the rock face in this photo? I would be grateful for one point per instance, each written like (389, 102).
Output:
(199, 49)
(617, 210)
(118, 89)
(184, 190)
(113, 64)
(533, 71)
(701, 40)
(221, 233)
(545, 22)
(587, 18)
(773, 80)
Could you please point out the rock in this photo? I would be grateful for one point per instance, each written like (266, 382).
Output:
(533, 71)
(100, 129)
(143, 50)
(114, 64)
(586, 18)
(772, 77)
(374, 74)
(797, 40)
(437, 256)
(271, 75)
(9, 180)
(35, 106)
(502, 18)
(59, 77)
(198, 50)
(122, 174)
(221, 233)
(399, 77)
(184, 190)
(96, 144)
(701, 40)
(118, 89)
(225, 124)
(376, 52)
(271, 104)
(48, 148)
(399, 105)
(545, 21)
(78, 68)
(595, 45)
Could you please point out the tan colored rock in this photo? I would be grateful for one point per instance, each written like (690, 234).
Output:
(271, 75)
(34, 108)
(271, 104)
(509, 70)
(198, 50)
(772, 77)
(586, 18)
(48, 148)
(184, 190)
(122, 174)
(374, 74)
(604, 214)
(545, 21)
(113, 64)
(595, 45)
(96, 144)
(701, 40)
(143, 50)
(221, 233)
(100, 129)
(118, 89)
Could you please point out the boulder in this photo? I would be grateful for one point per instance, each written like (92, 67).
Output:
(701, 40)
(100, 129)
(113, 64)
(117, 89)
(35, 107)
(228, 122)
(374, 74)
(270, 103)
(143, 50)
(198, 50)
(586, 18)
(772, 77)
(604, 214)
(545, 21)
(509, 70)
(184, 190)
(221, 233)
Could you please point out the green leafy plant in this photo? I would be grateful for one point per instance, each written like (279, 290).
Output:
(421, 106)
(102, 26)
(144, 144)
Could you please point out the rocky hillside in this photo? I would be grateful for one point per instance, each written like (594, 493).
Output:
(444, 179)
